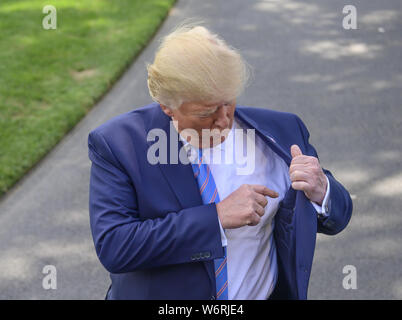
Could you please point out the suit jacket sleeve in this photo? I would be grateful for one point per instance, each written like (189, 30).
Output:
(123, 242)
(340, 204)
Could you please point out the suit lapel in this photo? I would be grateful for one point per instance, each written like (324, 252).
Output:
(265, 135)
(179, 176)
(305, 221)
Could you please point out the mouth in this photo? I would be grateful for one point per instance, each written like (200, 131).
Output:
(215, 137)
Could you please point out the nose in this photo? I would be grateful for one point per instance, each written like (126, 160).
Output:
(222, 117)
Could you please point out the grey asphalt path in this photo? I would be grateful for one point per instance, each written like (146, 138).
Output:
(345, 85)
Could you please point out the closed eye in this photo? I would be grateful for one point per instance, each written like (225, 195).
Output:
(206, 115)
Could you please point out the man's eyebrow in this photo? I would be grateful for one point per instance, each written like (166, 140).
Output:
(214, 104)
(207, 110)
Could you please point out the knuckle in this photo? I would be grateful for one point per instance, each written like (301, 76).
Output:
(254, 221)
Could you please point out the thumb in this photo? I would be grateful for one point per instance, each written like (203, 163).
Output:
(295, 151)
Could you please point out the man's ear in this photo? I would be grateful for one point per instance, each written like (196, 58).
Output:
(166, 110)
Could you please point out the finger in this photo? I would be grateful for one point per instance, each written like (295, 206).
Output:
(301, 185)
(299, 176)
(259, 210)
(298, 167)
(301, 160)
(264, 191)
(261, 200)
(295, 151)
(254, 221)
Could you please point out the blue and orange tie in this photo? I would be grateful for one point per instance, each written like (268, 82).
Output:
(209, 194)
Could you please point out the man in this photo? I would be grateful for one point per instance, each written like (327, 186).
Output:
(167, 228)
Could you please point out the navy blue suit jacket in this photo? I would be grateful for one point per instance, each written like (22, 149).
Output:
(155, 236)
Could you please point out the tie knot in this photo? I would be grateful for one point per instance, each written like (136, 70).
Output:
(195, 155)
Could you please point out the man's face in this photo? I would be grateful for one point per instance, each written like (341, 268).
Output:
(198, 116)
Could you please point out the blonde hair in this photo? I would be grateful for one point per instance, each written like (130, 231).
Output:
(194, 65)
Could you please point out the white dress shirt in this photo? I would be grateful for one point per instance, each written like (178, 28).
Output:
(251, 252)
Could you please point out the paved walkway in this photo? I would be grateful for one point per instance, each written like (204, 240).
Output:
(345, 85)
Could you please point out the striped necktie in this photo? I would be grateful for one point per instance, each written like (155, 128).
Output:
(209, 194)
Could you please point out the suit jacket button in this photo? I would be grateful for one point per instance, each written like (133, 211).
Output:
(213, 298)
(207, 254)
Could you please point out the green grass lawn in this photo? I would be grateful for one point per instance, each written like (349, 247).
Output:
(49, 79)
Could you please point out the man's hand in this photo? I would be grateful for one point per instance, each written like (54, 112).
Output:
(307, 175)
(244, 206)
